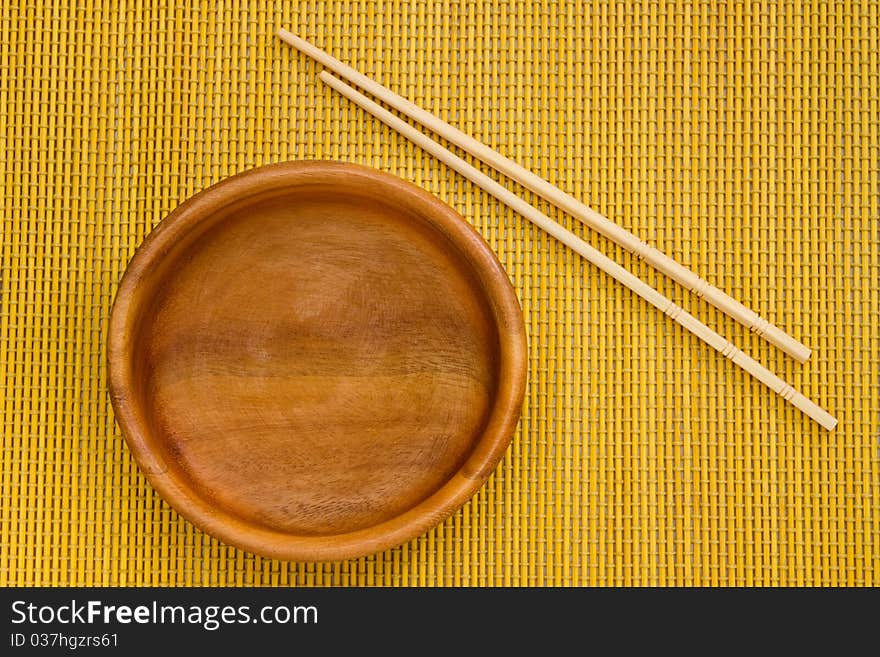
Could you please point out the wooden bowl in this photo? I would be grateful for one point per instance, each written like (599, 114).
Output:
(316, 361)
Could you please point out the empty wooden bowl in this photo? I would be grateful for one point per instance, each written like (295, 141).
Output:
(316, 360)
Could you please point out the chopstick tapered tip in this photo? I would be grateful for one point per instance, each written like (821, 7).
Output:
(306, 48)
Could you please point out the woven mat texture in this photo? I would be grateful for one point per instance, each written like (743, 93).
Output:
(742, 138)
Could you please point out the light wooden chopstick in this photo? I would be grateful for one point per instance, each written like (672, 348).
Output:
(604, 263)
(566, 202)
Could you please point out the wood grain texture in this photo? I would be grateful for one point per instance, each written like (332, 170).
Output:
(316, 360)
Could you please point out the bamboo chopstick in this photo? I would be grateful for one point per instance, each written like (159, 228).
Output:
(604, 263)
(562, 200)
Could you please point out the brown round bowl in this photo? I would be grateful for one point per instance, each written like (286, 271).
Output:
(316, 360)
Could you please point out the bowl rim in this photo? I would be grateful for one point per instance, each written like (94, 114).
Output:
(431, 511)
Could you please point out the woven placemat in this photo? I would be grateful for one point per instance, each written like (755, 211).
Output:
(742, 138)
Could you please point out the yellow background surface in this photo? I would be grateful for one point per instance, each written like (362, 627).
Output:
(742, 138)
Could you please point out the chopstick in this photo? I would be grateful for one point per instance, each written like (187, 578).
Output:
(562, 200)
(603, 262)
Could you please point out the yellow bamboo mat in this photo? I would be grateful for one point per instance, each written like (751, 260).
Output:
(743, 138)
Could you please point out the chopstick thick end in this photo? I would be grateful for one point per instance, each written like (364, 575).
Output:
(828, 421)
